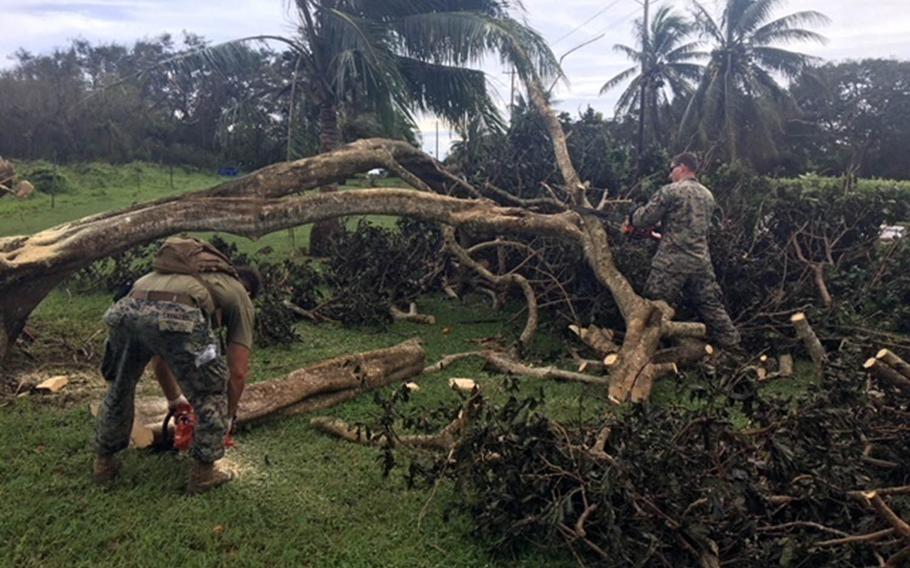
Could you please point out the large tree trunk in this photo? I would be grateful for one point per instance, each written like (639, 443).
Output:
(30, 266)
(318, 387)
(324, 232)
(644, 319)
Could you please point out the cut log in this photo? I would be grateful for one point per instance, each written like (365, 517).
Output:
(785, 365)
(598, 339)
(611, 360)
(687, 351)
(317, 387)
(23, 189)
(463, 385)
(893, 361)
(810, 341)
(684, 329)
(887, 375)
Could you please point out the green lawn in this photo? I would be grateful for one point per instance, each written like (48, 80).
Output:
(302, 498)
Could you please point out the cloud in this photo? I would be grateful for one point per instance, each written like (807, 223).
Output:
(877, 29)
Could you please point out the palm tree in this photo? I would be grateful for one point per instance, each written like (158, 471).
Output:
(663, 63)
(738, 95)
(395, 57)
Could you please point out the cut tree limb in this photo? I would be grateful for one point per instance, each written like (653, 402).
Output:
(504, 363)
(443, 440)
(412, 315)
(886, 374)
(686, 351)
(597, 338)
(511, 279)
(810, 341)
(316, 387)
(893, 361)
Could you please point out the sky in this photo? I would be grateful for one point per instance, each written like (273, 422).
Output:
(877, 28)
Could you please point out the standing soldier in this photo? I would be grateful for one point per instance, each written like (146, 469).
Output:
(682, 265)
(171, 314)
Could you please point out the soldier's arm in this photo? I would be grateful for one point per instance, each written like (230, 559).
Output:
(166, 380)
(238, 318)
(238, 359)
(653, 211)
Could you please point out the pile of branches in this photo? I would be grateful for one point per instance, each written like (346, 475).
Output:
(742, 480)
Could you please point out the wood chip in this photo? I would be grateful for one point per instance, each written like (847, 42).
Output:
(463, 385)
(53, 384)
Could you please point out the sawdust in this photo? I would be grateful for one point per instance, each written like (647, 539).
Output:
(235, 464)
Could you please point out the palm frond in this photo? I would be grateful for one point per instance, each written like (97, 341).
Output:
(789, 23)
(618, 79)
(790, 63)
(629, 100)
(628, 52)
(454, 93)
(689, 71)
(692, 50)
(752, 15)
(706, 24)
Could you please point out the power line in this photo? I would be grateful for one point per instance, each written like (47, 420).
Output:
(586, 22)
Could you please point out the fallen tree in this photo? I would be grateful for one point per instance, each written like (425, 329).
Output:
(317, 387)
(261, 203)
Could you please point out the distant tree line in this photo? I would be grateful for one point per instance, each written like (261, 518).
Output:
(709, 83)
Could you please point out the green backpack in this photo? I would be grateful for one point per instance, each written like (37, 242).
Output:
(186, 255)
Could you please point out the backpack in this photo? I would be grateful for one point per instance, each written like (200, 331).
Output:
(187, 255)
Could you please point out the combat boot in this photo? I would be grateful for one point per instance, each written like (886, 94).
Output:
(105, 469)
(207, 476)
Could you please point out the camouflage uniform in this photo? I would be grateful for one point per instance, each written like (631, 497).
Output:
(682, 266)
(181, 335)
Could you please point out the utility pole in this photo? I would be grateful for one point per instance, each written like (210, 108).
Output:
(645, 60)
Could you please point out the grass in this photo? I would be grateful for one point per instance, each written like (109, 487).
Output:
(303, 498)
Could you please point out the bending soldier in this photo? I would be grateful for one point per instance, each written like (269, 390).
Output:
(172, 314)
(682, 266)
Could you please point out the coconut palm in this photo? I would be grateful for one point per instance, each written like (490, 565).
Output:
(400, 56)
(664, 66)
(397, 57)
(738, 95)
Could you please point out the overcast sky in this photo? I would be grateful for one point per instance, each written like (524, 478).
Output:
(877, 28)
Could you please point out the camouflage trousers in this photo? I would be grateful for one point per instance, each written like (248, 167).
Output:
(181, 336)
(701, 290)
